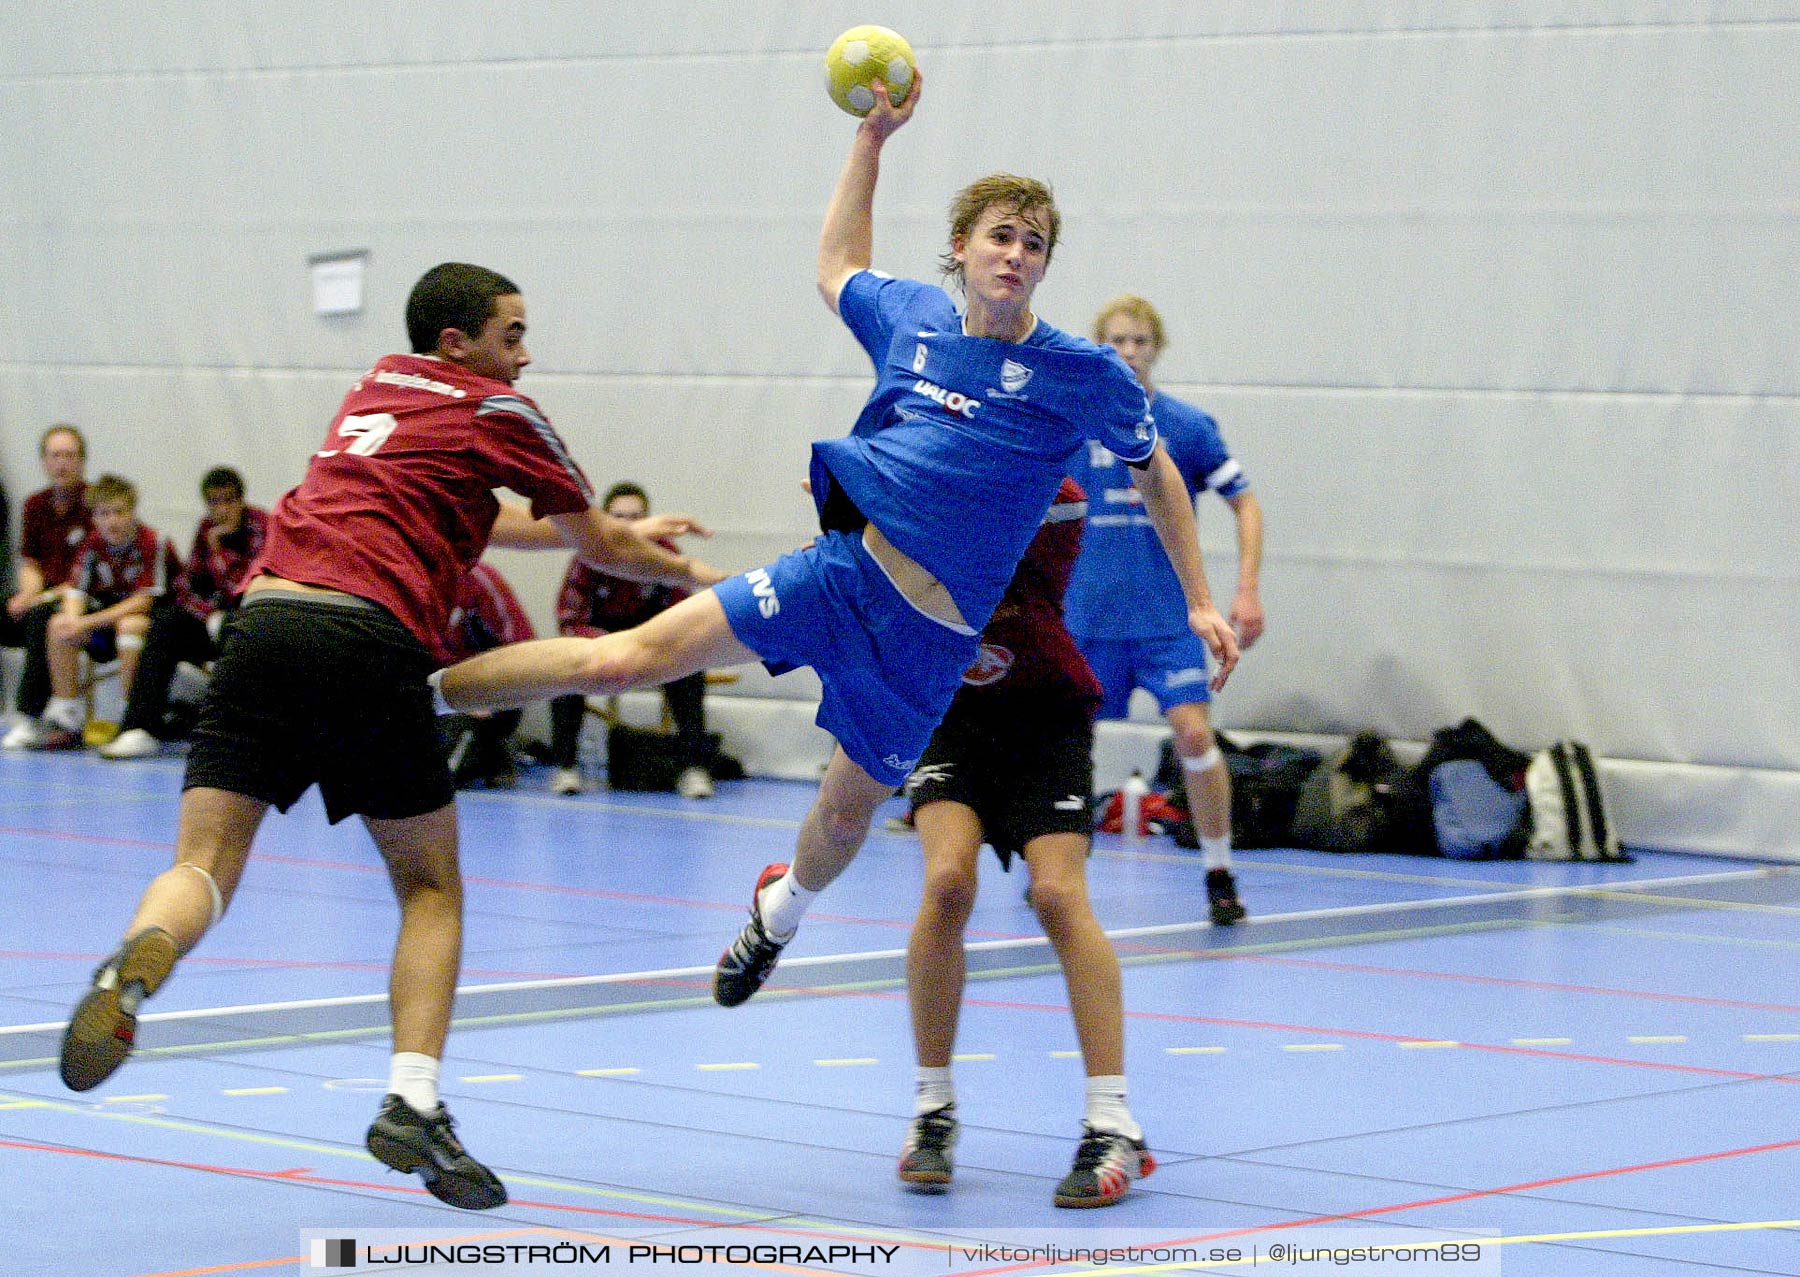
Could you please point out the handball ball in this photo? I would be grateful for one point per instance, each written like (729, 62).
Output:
(861, 56)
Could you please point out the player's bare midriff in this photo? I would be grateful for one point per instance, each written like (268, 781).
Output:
(923, 590)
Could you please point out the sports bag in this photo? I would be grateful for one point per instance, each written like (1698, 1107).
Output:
(1266, 780)
(1346, 804)
(1415, 826)
(1473, 815)
(1569, 820)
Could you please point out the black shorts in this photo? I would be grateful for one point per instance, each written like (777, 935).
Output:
(1023, 777)
(331, 693)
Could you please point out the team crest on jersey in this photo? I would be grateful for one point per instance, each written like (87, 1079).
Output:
(919, 357)
(992, 663)
(1013, 376)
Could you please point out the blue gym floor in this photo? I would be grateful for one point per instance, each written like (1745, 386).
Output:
(1594, 1069)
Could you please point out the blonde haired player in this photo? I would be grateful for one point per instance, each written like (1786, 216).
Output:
(926, 508)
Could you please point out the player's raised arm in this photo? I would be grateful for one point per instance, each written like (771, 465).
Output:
(846, 244)
(1171, 512)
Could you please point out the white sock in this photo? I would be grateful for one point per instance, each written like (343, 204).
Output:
(935, 1089)
(1215, 853)
(1106, 1108)
(414, 1078)
(66, 711)
(438, 704)
(782, 904)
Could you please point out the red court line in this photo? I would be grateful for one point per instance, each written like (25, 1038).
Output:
(1471, 1195)
(596, 893)
(301, 1175)
(1505, 981)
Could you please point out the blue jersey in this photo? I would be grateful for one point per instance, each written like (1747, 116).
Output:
(1124, 586)
(962, 446)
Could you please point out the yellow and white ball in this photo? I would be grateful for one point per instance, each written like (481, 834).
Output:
(863, 55)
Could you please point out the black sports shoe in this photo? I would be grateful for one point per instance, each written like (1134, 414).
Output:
(925, 1157)
(1105, 1164)
(1221, 894)
(409, 1141)
(749, 959)
(104, 1026)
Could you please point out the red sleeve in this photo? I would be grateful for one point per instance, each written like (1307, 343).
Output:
(574, 614)
(523, 452)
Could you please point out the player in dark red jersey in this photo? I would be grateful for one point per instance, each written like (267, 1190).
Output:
(487, 615)
(1011, 765)
(323, 680)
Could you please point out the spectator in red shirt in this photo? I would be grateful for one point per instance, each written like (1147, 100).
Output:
(53, 523)
(187, 623)
(1011, 765)
(487, 614)
(105, 611)
(324, 680)
(592, 603)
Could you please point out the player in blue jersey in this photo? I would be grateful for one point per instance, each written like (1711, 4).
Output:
(926, 508)
(1118, 604)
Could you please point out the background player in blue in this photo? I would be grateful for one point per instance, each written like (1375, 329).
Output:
(926, 508)
(1118, 608)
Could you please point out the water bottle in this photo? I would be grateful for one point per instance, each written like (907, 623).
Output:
(1132, 793)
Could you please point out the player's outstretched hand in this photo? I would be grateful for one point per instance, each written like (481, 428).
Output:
(1220, 641)
(884, 118)
(667, 526)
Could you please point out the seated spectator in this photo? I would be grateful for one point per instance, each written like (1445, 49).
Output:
(592, 603)
(53, 523)
(186, 623)
(105, 610)
(487, 614)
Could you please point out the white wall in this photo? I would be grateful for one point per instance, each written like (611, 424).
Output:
(1494, 301)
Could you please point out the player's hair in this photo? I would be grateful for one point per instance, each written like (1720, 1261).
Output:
(452, 295)
(1013, 193)
(110, 488)
(625, 488)
(221, 477)
(1132, 307)
(62, 428)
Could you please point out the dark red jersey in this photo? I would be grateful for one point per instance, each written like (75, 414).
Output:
(53, 538)
(1028, 664)
(111, 574)
(398, 503)
(487, 615)
(215, 571)
(591, 603)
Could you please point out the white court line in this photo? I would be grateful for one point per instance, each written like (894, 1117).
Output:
(872, 955)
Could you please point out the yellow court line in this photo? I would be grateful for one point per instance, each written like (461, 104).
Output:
(256, 1090)
(624, 1072)
(1298, 1238)
(1065, 1055)
(1425, 1045)
(1651, 1039)
(133, 1099)
(495, 1077)
(1693, 902)
(1742, 942)
(727, 1068)
(975, 1055)
(1543, 1041)
(1772, 1037)
(1194, 1050)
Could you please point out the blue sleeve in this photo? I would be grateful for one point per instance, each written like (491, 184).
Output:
(1118, 413)
(871, 305)
(1200, 454)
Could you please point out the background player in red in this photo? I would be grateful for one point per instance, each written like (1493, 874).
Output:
(323, 680)
(1011, 765)
(487, 615)
(592, 603)
(187, 623)
(53, 523)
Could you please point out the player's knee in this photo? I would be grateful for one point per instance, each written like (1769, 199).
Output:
(1058, 903)
(950, 894)
(1195, 743)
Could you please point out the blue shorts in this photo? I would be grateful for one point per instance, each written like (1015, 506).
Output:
(1172, 668)
(889, 671)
